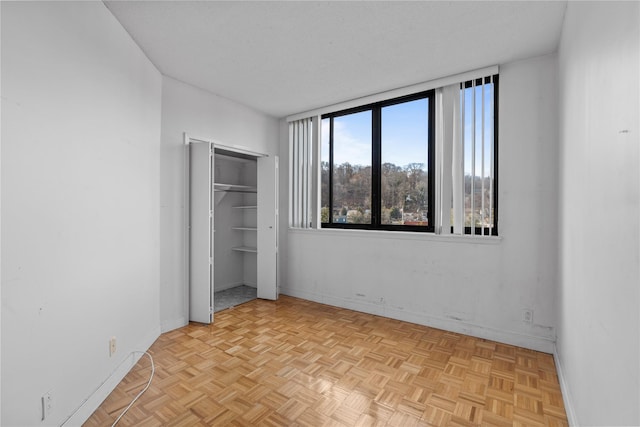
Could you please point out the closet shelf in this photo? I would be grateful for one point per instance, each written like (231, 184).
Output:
(218, 186)
(245, 228)
(244, 207)
(245, 249)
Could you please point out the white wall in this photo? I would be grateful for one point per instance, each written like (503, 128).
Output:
(471, 286)
(599, 299)
(0, 218)
(80, 209)
(205, 115)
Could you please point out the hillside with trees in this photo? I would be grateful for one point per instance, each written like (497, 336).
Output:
(403, 190)
(404, 195)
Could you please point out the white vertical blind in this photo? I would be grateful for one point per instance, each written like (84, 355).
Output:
(491, 155)
(473, 157)
(439, 172)
(300, 173)
(447, 111)
(457, 159)
(482, 172)
(316, 173)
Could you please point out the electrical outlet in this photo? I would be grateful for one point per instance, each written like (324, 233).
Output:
(527, 316)
(112, 346)
(47, 405)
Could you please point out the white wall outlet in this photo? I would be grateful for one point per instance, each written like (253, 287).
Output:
(527, 316)
(47, 405)
(112, 346)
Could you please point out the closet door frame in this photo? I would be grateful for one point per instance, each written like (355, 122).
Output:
(266, 288)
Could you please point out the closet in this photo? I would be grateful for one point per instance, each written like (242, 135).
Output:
(232, 227)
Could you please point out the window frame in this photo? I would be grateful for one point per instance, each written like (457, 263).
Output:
(376, 163)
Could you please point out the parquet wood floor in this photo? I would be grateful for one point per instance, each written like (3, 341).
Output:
(293, 362)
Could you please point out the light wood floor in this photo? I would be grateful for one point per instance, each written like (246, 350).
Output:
(295, 362)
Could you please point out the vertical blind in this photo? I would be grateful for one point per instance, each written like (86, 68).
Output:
(478, 173)
(465, 151)
(448, 160)
(300, 173)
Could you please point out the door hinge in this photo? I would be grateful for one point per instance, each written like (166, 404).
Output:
(210, 260)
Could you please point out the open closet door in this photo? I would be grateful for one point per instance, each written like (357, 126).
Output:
(200, 232)
(267, 227)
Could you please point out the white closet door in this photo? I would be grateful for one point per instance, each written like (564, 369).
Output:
(200, 232)
(267, 227)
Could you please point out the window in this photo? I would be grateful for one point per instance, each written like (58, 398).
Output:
(377, 165)
(425, 162)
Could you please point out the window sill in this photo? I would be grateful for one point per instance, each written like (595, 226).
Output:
(400, 235)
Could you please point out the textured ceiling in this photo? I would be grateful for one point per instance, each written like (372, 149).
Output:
(283, 58)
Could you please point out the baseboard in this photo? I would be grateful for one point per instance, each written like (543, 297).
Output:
(532, 342)
(564, 388)
(224, 286)
(171, 324)
(92, 402)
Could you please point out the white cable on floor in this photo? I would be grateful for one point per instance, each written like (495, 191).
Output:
(153, 370)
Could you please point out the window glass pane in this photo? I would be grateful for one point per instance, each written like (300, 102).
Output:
(469, 144)
(404, 183)
(324, 165)
(352, 168)
(478, 160)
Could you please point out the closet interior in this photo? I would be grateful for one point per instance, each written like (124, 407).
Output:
(235, 228)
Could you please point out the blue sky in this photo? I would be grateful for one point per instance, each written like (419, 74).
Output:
(405, 133)
(352, 139)
(488, 128)
(402, 141)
